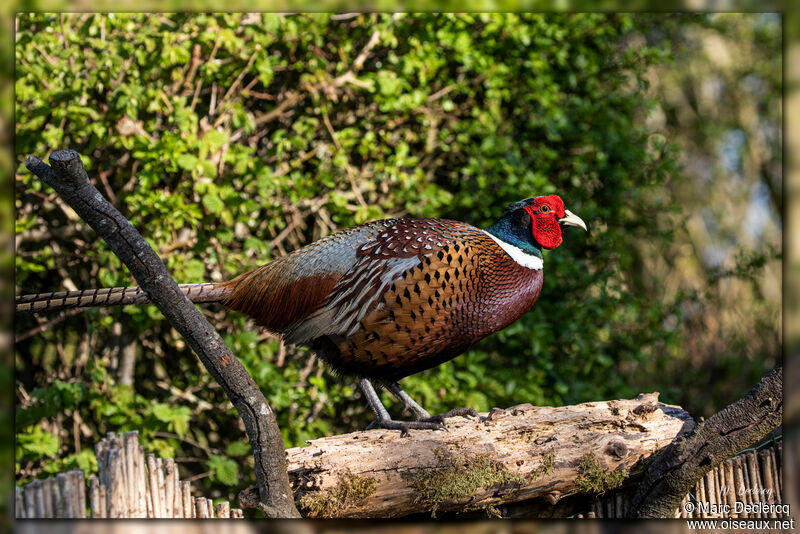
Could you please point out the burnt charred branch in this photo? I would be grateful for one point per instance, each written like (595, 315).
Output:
(67, 175)
(679, 466)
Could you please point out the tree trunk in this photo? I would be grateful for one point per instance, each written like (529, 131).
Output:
(505, 456)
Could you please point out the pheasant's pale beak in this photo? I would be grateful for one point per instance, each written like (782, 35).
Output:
(571, 219)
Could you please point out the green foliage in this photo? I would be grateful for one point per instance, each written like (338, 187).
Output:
(223, 470)
(84, 460)
(37, 443)
(115, 407)
(238, 448)
(231, 139)
(176, 417)
(48, 401)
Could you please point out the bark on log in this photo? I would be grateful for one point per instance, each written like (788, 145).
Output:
(736, 427)
(505, 456)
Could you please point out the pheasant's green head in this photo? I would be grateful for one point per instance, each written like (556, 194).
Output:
(535, 223)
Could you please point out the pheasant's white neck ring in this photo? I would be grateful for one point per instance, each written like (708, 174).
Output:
(518, 255)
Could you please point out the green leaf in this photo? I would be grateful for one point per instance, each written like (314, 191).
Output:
(213, 203)
(38, 443)
(215, 138)
(187, 162)
(238, 448)
(194, 270)
(248, 338)
(223, 469)
(48, 401)
(163, 412)
(177, 417)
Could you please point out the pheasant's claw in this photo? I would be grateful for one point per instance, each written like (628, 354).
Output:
(463, 412)
(438, 419)
(405, 426)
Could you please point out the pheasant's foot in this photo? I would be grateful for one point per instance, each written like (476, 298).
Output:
(463, 412)
(405, 426)
(382, 419)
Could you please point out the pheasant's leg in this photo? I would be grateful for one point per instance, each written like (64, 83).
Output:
(420, 413)
(408, 403)
(382, 418)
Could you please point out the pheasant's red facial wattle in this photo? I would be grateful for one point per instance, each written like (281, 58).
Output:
(545, 213)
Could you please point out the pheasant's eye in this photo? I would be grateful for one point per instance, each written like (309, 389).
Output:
(544, 209)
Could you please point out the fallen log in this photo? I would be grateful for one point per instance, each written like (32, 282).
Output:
(504, 456)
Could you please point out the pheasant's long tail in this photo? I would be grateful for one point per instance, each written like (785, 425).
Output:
(114, 296)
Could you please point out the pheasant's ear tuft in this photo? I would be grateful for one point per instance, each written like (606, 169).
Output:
(514, 206)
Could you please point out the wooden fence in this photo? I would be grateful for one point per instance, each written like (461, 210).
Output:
(129, 484)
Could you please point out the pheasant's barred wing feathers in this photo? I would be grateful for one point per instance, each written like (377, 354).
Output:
(416, 237)
(426, 316)
(382, 261)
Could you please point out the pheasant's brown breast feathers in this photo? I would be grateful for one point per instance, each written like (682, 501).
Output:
(424, 313)
(454, 296)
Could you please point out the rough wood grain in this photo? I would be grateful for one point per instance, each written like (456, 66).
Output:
(224, 510)
(534, 451)
(19, 504)
(736, 427)
(186, 492)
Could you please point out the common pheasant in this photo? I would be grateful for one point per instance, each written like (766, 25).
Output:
(385, 299)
